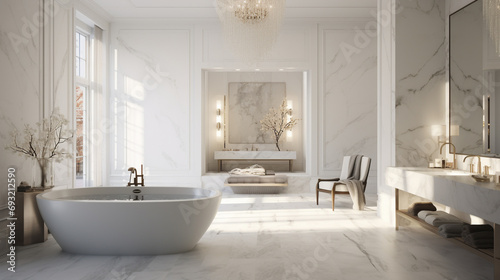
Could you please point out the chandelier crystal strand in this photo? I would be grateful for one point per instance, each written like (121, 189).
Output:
(491, 12)
(251, 26)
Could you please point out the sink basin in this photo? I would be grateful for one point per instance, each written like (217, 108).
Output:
(481, 178)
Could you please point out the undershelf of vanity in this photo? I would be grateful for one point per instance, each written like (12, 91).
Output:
(487, 254)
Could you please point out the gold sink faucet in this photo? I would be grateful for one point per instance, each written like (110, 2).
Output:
(478, 162)
(454, 153)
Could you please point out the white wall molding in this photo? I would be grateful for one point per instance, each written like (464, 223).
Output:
(386, 92)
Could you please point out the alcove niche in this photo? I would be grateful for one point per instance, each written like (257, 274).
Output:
(244, 98)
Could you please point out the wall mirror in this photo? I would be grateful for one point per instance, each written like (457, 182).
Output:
(247, 104)
(471, 84)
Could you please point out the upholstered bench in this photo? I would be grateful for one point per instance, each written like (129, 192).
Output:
(252, 184)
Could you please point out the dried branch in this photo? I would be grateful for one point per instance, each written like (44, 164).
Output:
(45, 141)
(277, 121)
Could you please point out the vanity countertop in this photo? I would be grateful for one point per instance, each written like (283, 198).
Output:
(227, 155)
(453, 188)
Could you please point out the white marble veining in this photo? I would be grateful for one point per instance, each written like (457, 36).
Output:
(420, 55)
(275, 237)
(349, 107)
(228, 155)
(248, 103)
(20, 64)
(150, 101)
(456, 189)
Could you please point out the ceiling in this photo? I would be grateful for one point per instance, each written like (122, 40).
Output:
(119, 9)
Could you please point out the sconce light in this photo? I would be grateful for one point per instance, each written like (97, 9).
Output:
(289, 107)
(438, 131)
(218, 118)
(455, 130)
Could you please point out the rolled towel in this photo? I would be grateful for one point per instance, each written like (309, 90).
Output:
(251, 170)
(441, 218)
(424, 213)
(450, 230)
(466, 229)
(481, 239)
(416, 207)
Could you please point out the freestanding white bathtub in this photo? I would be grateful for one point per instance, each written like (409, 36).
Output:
(105, 221)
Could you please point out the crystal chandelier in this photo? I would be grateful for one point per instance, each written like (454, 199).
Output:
(251, 26)
(491, 13)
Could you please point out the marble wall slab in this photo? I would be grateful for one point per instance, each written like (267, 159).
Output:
(150, 101)
(20, 68)
(420, 50)
(348, 99)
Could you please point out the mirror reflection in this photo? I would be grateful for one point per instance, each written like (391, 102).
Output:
(472, 84)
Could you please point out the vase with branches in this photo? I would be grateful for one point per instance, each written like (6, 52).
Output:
(43, 143)
(278, 120)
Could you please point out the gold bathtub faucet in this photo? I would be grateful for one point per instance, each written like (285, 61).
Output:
(133, 172)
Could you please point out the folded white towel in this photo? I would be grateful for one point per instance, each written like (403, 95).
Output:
(251, 170)
(424, 213)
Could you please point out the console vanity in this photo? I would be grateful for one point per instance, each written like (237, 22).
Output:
(453, 188)
(288, 156)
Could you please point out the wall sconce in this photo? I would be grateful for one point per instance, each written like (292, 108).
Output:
(455, 130)
(438, 131)
(218, 118)
(289, 108)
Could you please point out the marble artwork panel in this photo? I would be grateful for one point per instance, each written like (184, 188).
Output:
(248, 103)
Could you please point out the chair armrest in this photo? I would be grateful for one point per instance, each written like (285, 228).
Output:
(326, 180)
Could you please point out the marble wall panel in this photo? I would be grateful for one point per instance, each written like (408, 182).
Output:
(349, 99)
(151, 101)
(20, 77)
(420, 80)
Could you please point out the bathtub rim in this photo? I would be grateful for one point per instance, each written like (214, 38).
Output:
(48, 195)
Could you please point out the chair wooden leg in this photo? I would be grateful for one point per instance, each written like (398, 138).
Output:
(317, 196)
(333, 197)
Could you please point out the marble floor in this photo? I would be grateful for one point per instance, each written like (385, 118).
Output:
(282, 236)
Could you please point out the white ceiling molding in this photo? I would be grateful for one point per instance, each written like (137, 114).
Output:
(120, 9)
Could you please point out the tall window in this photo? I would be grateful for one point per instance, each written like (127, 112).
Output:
(81, 54)
(82, 104)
